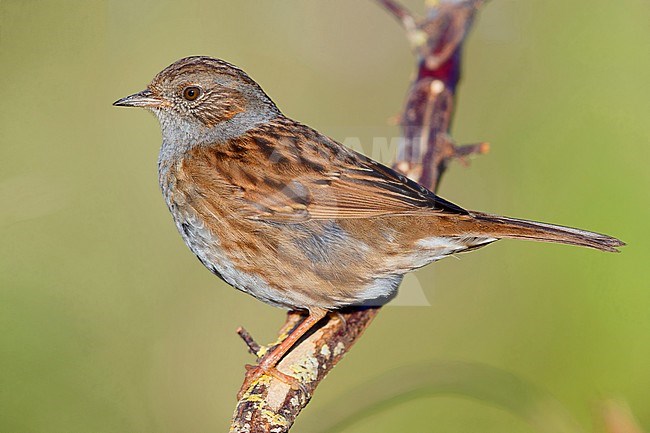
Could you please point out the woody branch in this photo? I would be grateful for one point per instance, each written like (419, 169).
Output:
(424, 154)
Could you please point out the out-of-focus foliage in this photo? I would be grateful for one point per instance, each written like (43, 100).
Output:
(109, 324)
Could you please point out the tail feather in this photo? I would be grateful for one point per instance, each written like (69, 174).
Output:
(505, 227)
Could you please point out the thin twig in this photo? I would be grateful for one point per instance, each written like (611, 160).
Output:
(404, 16)
(397, 9)
(252, 345)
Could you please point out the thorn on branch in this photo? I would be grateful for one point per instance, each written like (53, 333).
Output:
(472, 149)
(462, 153)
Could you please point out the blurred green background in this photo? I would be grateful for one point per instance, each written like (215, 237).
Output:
(109, 324)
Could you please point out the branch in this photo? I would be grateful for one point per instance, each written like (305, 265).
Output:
(426, 119)
(272, 405)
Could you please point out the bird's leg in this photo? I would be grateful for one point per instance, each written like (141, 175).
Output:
(293, 320)
(268, 362)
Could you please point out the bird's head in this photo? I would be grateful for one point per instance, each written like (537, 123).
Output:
(198, 94)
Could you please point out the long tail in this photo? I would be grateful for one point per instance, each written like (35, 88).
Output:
(503, 227)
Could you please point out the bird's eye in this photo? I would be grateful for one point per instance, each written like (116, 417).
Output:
(191, 93)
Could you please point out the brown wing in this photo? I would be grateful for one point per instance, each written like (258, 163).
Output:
(300, 175)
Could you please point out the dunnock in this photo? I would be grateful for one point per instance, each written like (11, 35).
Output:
(292, 217)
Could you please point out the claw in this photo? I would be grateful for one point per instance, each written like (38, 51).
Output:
(269, 360)
(255, 372)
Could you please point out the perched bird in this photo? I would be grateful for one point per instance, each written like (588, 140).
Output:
(292, 217)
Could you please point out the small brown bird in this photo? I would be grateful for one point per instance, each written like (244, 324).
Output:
(292, 217)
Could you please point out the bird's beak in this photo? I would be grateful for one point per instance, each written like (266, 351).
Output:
(141, 99)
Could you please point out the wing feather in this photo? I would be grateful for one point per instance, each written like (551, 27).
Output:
(336, 183)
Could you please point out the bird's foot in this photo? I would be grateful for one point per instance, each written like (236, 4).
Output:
(255, 372)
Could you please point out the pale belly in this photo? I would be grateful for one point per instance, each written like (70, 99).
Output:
(207, 248)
